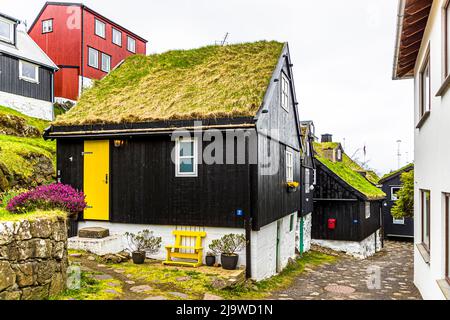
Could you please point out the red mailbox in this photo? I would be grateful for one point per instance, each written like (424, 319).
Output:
(331, 224)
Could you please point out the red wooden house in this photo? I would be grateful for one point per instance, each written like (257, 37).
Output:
(84, 44)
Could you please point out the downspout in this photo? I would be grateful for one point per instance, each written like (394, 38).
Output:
(248, 220)
(382, 224)
(53, 94)
(82, 49)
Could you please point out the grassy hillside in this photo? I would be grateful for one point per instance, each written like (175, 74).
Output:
(25, 158)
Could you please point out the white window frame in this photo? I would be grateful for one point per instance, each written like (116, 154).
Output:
(103, 59)
(47, 26)
(25, 78)
(11, 31)
(339, 155)
(315, 176)
(289, 166)
(178, 158)
(307, 179)
(89, 57)
(284, 92)
(128, 44)
(114, 30)
(367, 209)
(393, 196)
(400, 221)
(97, 31)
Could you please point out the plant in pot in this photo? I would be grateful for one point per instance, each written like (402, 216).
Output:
(292, 186)
(227, 246)
(142, 243)
(210, 258)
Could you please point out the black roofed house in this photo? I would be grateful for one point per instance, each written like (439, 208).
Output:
(391, 184)
(229, 116)
(26, 72)
(307, 181)
(347, 206)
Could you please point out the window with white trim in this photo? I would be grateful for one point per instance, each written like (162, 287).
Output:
(314, 177)
(131, 44)
(28, 71)
(100, 28)
(186, 157)
(6, 30)
(47, 26)
(425, 203)
(425, 88)
(394, 193)
(307, 177)
(398, 221)
(284, 92)
(106, 62)
(289, 166)
(367, 210)
(116, 37)
(93, 58)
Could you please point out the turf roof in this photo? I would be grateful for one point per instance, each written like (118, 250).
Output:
(208, 82)
(347, 170)
(393, 173)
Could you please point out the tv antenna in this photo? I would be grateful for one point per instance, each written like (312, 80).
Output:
(399, 155)
(223, 41)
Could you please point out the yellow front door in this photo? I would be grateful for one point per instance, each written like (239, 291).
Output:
(96, 180)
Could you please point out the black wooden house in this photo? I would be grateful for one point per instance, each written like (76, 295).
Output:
(121, 145)
(26, 72)
(347, 206)
(391, 184)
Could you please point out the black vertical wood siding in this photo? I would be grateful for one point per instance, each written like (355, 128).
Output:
(391, 229)
(10, 82)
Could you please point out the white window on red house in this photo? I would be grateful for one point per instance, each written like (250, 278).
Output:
(117, 37)
(106, 62)
(131, 45)
(6, 30)
(28, 71)
(93, 58)
(100, 28)
(47, 26)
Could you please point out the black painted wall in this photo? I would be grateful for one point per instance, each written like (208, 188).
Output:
(391, 229)
(10, 82)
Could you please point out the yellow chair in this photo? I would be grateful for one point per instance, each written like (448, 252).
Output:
(196, 251)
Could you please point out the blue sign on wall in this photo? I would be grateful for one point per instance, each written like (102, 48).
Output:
(239, 212)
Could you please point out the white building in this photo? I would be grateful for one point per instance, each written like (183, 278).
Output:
(423, 53)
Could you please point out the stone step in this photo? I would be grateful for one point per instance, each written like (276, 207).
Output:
(93, 233)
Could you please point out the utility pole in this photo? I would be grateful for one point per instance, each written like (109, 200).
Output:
(399, 155)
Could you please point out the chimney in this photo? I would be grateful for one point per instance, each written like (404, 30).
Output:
(327, 137)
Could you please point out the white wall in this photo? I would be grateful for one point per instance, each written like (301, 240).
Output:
(28, 106)
(307, 226)
(432, 159)
(360, 250)
(263, 245)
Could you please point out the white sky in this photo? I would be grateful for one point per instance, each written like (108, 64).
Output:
(342, 53)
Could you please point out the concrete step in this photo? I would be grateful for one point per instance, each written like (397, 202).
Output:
(93, 233)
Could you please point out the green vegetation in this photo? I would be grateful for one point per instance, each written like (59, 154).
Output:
(404, 206)
(348, 171)
(212, 81)
(8, 216)
(34, 122)
(393, 173)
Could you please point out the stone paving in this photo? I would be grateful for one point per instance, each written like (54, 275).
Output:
(388, 275)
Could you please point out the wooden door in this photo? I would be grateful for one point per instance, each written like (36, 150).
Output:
(96, 180)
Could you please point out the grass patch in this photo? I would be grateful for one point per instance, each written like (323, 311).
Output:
(212, 81)
(285, 278)
(347, 170)
(35, 122)
(91, 289)
(8, 216)
(407, 167)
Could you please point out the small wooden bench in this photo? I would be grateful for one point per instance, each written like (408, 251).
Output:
(196, 251)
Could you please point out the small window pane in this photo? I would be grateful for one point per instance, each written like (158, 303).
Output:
(100, 28)
(307, 178)
(106, 62)
(186, 149)
(47, 26)
(131, 45)
(6, 31)
(394, 191)
(117, 37)
(398, 221)
(93, 58)
(367, 210)
(28, 71)
(186, 165)
(426, 218)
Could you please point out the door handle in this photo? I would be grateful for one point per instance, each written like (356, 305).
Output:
(106, 178)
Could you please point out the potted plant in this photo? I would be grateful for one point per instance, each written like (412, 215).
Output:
(142, 243)
(227, 246)
(292, 186)
(210, 258)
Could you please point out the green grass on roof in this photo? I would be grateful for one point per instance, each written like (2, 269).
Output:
(388, 175)
(347, 170)
(208, 82)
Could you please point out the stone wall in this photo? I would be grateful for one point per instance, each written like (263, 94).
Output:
(33, 258)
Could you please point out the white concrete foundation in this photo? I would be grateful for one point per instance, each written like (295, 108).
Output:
(263, 243)
(28, 106)
(307, 226)
(361, 250)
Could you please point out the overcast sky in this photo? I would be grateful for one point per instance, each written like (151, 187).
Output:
(342, 53)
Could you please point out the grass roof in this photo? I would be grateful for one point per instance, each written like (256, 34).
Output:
(347, 170)
(208, 82)
(393, 173)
